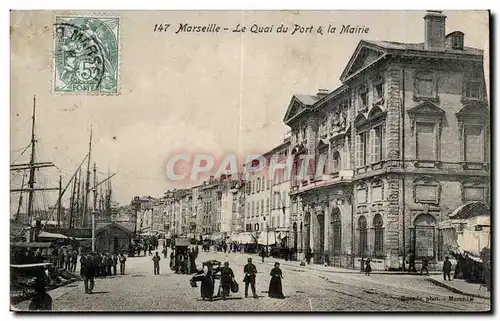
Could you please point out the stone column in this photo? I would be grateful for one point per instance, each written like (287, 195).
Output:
(312, 229)
(328, 231)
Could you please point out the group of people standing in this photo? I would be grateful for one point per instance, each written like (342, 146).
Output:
(228, 284)
(96, 264)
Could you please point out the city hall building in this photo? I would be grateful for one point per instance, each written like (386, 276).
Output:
(406, 138)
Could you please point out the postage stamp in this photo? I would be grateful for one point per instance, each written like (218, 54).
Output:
(86, 54)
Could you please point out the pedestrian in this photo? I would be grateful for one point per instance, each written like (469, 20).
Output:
(74, 260)
(262, 254)
(207, 282)
(250, 271)
(192, 262)
(88, 273)
(226, 278)
(67, 260)
(122, 260)
(109, 264)
(41, 301)
(150, 248)
(115, 262)
(425, 266)
(165, 252)
(156, 264)
(447, 268)
(368, 267)
(275, 287)
(309, 255)
(172, 260)
(411, 263)
(362, 264)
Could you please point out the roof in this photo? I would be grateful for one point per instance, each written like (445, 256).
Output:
(126, 227)
(381, 49)
(391, 45)
(307, 100)
(471, 209)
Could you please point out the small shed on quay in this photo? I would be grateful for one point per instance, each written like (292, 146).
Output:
(113, 238)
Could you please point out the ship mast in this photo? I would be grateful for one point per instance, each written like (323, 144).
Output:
(31, 180)
(87, 184)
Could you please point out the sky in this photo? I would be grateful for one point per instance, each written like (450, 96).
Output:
(214, 93)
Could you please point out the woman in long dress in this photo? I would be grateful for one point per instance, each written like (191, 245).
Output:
(207, 283)
(226, 278)
(275, 287)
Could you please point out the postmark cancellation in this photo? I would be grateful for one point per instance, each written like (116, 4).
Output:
(86, 54)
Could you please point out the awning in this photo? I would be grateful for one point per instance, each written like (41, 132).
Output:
(47, 235)
(31, 244)
(267, 238)
(245, 238)
(470, 210)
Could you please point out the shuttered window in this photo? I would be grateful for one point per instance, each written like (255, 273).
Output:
(426, 141)
(474, 143)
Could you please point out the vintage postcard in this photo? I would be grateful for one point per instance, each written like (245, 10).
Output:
(250, 161)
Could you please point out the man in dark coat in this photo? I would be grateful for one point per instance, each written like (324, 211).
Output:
(447, 268)
(156, 264)
(88, 273)
(250, 271)
(41, 301)
(425, 266)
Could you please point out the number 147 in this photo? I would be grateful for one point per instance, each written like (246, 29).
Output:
(161, 27)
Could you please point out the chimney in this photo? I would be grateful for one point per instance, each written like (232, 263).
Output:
(435, 30)
(322, 93)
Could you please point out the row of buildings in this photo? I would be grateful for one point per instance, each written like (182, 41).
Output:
(406, 143)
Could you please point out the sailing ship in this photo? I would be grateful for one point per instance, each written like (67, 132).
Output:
(75, 222)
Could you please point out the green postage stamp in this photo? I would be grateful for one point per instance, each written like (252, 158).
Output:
(86, 54)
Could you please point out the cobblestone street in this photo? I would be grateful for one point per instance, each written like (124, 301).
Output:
(305, 290)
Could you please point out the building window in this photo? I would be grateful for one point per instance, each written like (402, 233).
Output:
(258, 208)
(253, 208)
(258, 185)
(426, 190)
(378, 91)
(336, 162)
(262, 206)
(363, 100)
(425, 85)
(337, 233)
(361, 193)
(473, 194)
(267, 205)
(457, 42)
(376, 144)
(361, 142)
(257, 226)
(473, 90)
(378, 226)
(474, 143)
(363, 244)
(283, 199)
(424, 236)
(377, 190)
(272, 221)
(426, 141)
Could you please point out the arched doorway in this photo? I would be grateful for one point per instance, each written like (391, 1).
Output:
(319, 250)
(424, 236)
(295, 240)
(363, 242)
(307, 231)
(336, 238)
(378, 227)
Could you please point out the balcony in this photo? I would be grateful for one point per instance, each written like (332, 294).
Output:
(338, 177)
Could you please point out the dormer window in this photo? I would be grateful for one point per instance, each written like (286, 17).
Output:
(457, 42)
(378, 91)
